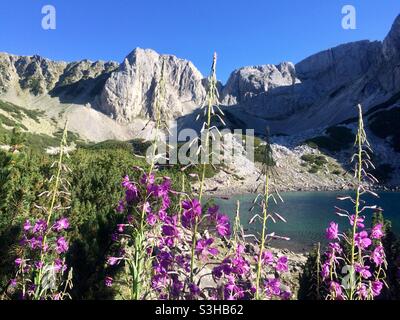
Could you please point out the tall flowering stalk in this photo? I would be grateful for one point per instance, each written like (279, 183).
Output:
(137, 266)
(355, 263)
(268, 163)
(41, 268)
(211, 109)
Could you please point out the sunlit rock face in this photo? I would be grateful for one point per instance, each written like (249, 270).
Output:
(130, 91)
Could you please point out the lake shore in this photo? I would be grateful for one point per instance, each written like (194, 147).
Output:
(231, 192)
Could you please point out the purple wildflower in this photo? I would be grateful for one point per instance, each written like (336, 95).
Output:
(191, 211)
(360, 221)
(61, 224)
(282, 265)
(377, 231)
(362, 241)
(363, 271)
(113, 261)
(108, 281)
(59, 265)
(40, 226)
(377, 288)
(203, 247)
(62, 245)
(151, 219)
(272, 287)
(336, 289)
(332, 231)
(223, 225)
(362, 292)
(27, 225)
(378, 255)
(267, 257)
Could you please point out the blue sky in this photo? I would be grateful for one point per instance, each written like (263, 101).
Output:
(246, 32)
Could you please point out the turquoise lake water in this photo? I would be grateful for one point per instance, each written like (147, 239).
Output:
(308, 215)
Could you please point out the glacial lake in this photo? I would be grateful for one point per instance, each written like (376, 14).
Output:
(308, 215)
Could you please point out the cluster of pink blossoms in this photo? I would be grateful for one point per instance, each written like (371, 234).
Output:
(42, 253)
(221, 269)
(369, 262)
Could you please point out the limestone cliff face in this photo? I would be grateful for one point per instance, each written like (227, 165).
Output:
(129, 92)
(247, 82)
(321, 90)
(36, 76)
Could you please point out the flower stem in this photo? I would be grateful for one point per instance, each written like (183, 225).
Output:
(263, 234)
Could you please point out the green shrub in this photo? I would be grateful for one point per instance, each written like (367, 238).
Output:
(338, 138)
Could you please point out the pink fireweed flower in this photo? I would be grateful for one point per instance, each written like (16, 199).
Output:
(325, 270)
(27, 225)
(377, 231)
(40, 226)
(213, 211)
(170, 231)
(151, 219)
(360, 221)
(121, 227)
(108, 281)
(194, 290)
(131, 191)
(332, 232)
(361, 240)
(147, 207)
(232, 291)
(112, 261)
(362, 291)
(39, 265)
(267, 258)
(377, 288)
(336, 290)
(147, 179)
(191, 211)
(18, 261)
(59, 265)
(272, 287)
(13, 282)
(164, 188)
(62, 245)
(363, 271)
(282, 265)
(203, 247)
(378, 255)
(286, 295)
(223, 225)
(61, 224)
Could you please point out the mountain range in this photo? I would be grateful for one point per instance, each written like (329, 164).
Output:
(110, 100)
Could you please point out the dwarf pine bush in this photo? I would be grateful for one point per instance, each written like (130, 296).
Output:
(41, 269)
(354, 264)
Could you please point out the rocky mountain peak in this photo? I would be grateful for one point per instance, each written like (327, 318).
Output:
(247, 82)
(129, 92)
(391, 44)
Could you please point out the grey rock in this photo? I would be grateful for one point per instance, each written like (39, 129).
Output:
(129, 92)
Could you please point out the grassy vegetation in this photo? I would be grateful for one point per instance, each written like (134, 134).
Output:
(19, 113)
(337, 138)
(315, 163)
